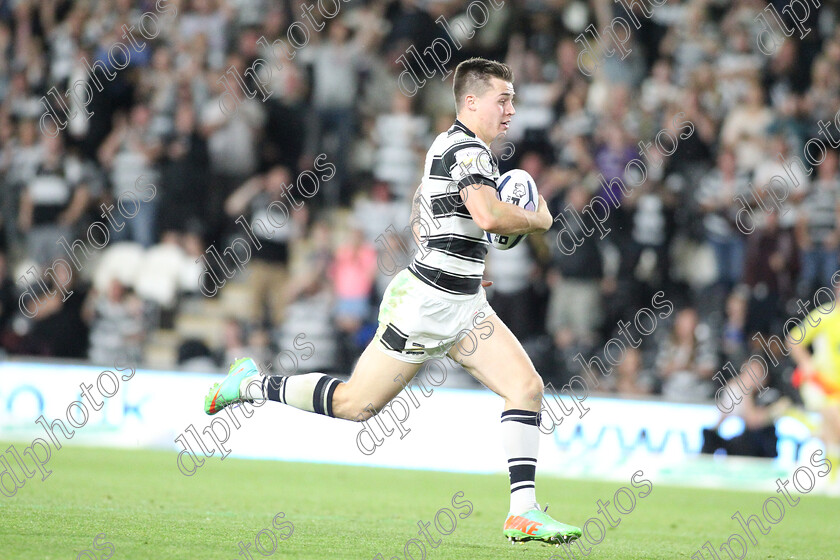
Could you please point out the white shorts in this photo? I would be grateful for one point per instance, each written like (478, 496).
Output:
(418, 322)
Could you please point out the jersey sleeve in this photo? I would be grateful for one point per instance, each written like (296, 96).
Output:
(470, 164)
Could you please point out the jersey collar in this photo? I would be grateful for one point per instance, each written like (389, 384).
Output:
(462, 127)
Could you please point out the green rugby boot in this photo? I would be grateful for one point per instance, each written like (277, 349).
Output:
(537, 525)
(221, 395)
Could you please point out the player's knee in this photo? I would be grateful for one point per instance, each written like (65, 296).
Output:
(529, 389)
(534, 386)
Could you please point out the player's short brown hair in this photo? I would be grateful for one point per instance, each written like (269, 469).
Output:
(473, 76)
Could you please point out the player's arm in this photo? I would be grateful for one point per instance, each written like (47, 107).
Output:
(414, 219)
(494, 216)
(471, 170)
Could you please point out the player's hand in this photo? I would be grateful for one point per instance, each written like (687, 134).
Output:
(544, 219)
(486, 283)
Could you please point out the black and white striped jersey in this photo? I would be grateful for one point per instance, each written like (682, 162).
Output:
(452, 246)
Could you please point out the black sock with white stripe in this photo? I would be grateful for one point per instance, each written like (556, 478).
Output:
(312, 392)
(521, 438)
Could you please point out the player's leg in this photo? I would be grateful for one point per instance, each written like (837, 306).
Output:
(502, 365)
(817, 399)
(376, 379)
(831, 435)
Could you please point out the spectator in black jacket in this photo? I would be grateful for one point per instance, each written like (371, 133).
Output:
(574, 312)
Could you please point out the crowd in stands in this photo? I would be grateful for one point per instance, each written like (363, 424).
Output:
(322, 272)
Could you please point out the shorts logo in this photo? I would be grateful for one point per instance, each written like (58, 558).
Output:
(415, 345)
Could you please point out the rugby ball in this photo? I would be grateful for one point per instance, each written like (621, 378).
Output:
(515, 187)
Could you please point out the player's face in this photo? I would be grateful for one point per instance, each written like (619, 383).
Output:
(495, 109)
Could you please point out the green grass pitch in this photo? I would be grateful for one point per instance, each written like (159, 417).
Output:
(148, 510)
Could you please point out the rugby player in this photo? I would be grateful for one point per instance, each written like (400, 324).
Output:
(817, 375)
(438, 296)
